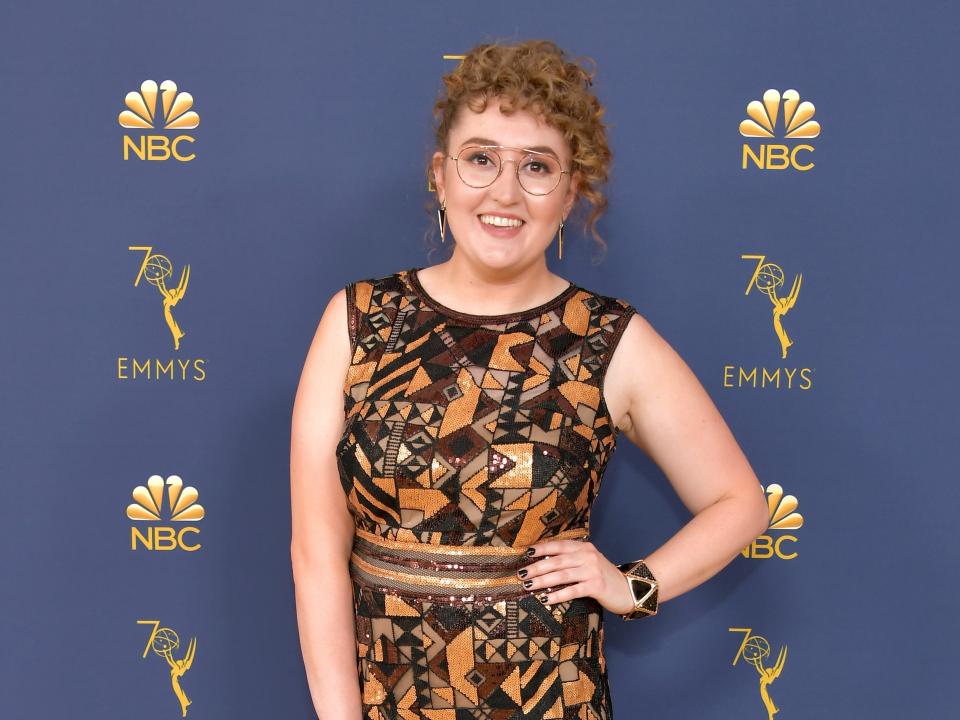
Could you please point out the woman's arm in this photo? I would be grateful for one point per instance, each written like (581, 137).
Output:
(661, 407)
(322, 524)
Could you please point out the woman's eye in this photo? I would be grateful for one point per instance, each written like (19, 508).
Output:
(479, 159)
(537, 168)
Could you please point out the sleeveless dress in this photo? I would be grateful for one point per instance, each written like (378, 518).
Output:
(467, 439)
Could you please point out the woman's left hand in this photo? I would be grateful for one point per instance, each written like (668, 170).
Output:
(563, 562)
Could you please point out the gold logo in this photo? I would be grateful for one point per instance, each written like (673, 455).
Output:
(164, 641)
(797, 116)
(783, 516)
(157, 269)
(181, 507)
(754, 649)
(762, 122)
(175, 111)
(143, 113)
(770, 279)
(149, 500)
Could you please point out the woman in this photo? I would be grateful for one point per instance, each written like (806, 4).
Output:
(440, 538)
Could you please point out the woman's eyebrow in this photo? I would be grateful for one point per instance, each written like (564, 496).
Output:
(487, 141)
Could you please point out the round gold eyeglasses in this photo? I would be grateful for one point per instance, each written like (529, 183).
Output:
(480, 165)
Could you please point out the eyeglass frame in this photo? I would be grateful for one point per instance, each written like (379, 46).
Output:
(456, 159)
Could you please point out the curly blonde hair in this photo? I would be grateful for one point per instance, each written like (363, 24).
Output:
(534, 75)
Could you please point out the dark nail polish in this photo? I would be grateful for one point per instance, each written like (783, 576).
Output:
(527, 583)
(531, 551)
(522, 572)
(542, 598)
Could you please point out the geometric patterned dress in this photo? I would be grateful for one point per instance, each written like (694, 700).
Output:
(467, 439)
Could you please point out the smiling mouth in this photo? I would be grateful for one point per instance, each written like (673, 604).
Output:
(500, 222)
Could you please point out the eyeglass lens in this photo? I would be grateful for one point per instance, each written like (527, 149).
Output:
(479, 167)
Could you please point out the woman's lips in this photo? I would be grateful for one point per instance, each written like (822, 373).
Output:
(500, 232)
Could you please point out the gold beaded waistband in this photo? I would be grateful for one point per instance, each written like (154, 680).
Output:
(443, 573)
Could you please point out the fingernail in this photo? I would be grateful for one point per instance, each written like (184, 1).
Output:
(542, 598)
(531, 550)
(522, 572)
(527, 583)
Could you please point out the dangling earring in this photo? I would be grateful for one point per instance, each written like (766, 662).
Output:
(441, 217)
(560, 239)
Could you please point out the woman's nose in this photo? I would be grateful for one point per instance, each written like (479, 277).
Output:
(507, 186)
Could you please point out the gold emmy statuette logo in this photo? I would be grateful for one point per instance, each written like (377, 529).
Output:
(157, 269)
(143, 113)
(164, 641)
(754, 649)
(181, 507)
(761, 123)
(769, 279)
(783, 516)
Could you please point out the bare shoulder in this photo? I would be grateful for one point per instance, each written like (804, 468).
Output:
(645, 370)
(332, 333)
(318, 403)
(641, 341)
(336, 309)
(661, 406)
(321, 520)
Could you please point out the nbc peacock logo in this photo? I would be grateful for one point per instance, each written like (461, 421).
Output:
(764, 122)
(158, 107)
(181, 507)
(783, 517)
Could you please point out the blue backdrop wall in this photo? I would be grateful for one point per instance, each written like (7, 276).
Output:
(275, 196)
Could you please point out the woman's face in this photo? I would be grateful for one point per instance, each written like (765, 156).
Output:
(481, 242)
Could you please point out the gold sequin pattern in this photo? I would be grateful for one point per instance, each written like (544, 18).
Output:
(467, 439)
(453, 573)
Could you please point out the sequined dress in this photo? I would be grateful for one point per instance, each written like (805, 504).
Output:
(469, 438)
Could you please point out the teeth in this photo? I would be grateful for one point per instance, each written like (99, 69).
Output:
(500, 221)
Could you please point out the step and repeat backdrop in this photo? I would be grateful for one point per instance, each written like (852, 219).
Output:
(185, 185)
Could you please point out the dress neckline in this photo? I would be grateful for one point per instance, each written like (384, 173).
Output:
(527, 314)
